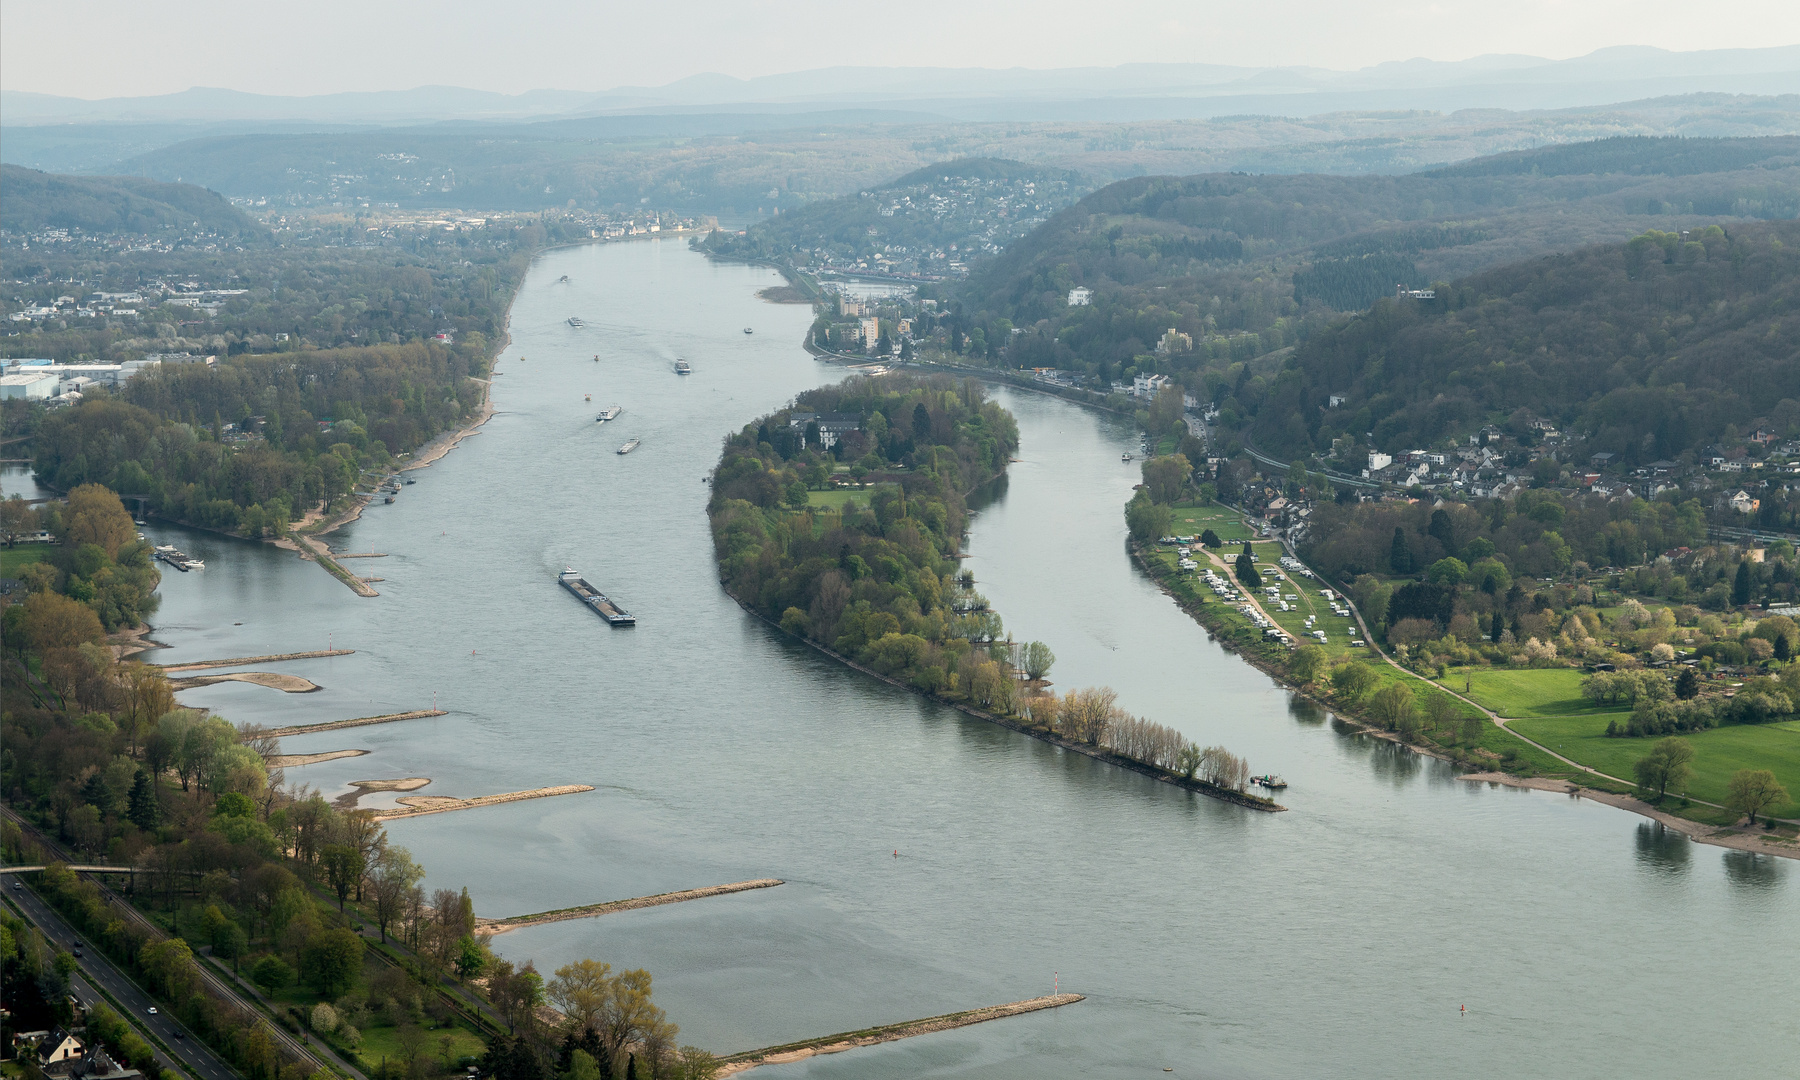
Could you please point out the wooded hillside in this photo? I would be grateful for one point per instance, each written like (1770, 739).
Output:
(1649, 349)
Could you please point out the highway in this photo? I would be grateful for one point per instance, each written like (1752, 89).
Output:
(196, 1060)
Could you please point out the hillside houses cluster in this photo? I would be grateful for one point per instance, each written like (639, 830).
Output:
(939, 228)
(121, 305)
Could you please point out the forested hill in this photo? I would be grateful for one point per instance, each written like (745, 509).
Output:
(31, 201)
(1244, 265)
(1647, 349)
(933, 222)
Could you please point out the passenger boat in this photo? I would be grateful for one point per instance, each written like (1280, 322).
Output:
(683, 368)
(611, 412)
(1269, 780)
(576, 322)
(630, 446)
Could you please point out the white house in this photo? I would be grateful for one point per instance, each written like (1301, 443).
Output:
(1379, 460)
(1148, 386)
(1080, 297)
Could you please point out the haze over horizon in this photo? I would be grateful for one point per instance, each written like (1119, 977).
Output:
(126, 50)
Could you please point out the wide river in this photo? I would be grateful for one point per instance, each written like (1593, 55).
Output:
(1342, 938)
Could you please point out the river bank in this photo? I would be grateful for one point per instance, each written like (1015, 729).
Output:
(1730, 837)
(1036, 731)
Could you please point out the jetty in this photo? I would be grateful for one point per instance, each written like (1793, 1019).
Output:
(240, 661)
(420, 805)
(850, 1040)
(589, 911)
(360, 721)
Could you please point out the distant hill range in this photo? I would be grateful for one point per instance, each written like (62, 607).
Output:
(1241, 266)
(1131, 92)
(32, 201)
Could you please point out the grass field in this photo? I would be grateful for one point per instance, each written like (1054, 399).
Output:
(1193, 520)
(1549, 708)
(1717, 753)
(12, 560)
(1525, 691)
(836, 499)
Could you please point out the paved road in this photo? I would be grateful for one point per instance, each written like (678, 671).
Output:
(279, 1034)
(96, 970)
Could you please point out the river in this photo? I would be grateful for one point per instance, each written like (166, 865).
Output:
(1341, 938)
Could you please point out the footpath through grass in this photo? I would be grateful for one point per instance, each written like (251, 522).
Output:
(1545, 705)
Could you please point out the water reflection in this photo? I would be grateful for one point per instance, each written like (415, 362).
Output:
(1754, 870)
(1661, 849)
(1394, 761)
(1306, 712)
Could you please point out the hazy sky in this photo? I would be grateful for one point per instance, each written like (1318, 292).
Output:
(106, 48)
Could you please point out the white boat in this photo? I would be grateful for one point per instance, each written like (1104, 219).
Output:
(611, 412)
(630, 446)
(747, 330)
(576, 322)
(1125, 456)
(682, 368)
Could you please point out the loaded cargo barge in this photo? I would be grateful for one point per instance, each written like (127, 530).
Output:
(573, 581)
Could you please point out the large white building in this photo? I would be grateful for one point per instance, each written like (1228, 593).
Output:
(36, 386)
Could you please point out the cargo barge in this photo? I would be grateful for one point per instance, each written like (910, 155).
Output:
(573, 581)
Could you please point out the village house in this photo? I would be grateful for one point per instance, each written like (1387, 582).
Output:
(832, 426)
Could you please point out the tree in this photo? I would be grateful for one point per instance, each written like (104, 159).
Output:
(1687, 684)
(1353, 680)
(1740, 586)
(1400, 558)
(1147, 520)
(343, 869)
(330, 961)
(1211, 540)
(1752, 790)
(1666, 766)
(1447, 571)
(1392, 705)
(1306, 663)
(96, 516)
(1246, 570)
(142, 806)
(1166, 478)
(392, 878)
(628, 1014)
(471, 958)
(1038, 660)
(581, 990)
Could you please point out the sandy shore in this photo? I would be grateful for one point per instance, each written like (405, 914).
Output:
(420, 805)
(1735, 838)
(289, 684)
(294, 761)
(348, 800)
(446, 442)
